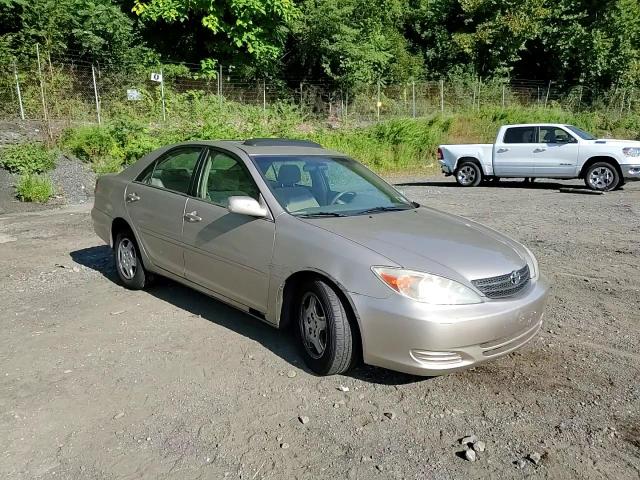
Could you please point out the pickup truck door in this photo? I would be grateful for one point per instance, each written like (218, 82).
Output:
(556, 155)
(513, 154)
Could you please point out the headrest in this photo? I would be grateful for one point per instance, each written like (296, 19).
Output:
(289, 174)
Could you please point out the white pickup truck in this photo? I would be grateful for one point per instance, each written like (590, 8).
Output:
(544, 151)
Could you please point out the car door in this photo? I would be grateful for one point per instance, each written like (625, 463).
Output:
(156, 201)
(513, 156)
(556, 155)
(225, 252)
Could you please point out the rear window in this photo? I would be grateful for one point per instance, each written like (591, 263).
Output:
(520, 135)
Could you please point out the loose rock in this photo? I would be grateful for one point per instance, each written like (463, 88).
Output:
(479, 446)
(284, 446)
(342, 388)
(291, 373)
(468, 439)
(470, 455)
(520, 463)
(390, 415)
(303, 419)
(118, 415)
(535, 457)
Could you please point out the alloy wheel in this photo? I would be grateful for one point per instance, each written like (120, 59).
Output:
(127, 259)
(466, 175)
(601, 178)
(313, 325)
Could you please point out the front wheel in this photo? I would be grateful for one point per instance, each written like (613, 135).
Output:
(324, 330)
(128, 262)
(468, 174)
(602, 177)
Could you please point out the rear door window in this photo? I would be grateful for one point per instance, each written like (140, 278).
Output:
(520, 135)
(173, 171)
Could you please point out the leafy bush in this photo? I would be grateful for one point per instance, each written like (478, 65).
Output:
(34, 188)
(88, 142)
(27, 158)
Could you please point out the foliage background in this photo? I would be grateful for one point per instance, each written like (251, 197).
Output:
(592, 43)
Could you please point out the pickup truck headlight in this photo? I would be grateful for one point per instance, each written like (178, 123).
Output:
(427, 288)
(532, 261)
(631, 152)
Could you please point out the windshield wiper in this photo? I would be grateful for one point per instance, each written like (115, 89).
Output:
(384, 209)
(321, 214)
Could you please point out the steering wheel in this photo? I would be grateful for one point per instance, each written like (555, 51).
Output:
(343, 194)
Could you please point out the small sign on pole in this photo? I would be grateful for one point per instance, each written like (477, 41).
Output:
(156, 77)
(133, 94)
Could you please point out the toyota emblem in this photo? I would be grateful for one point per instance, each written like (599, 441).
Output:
(515, 277)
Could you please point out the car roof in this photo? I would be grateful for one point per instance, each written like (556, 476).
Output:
(267, 147)
(538, 125)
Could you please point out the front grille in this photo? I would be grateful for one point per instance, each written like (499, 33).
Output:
(504, 286)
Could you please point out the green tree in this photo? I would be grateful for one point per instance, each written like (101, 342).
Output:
(352, 42)
(248, 33)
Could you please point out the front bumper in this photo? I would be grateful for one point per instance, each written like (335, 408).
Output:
(423, 339)
(630, 172)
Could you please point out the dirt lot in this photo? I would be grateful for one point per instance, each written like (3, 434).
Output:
(99, 382)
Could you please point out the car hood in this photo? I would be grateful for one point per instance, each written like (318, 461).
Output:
(612, 141)
(430, 241)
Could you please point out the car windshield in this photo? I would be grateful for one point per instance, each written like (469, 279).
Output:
(581, 133)
(318, 185)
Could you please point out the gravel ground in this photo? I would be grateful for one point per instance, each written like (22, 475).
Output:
(74, 182)
(98, 382)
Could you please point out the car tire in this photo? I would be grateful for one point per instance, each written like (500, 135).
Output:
(602, 177)
(128, 261)
(468, 174)
(324, 330)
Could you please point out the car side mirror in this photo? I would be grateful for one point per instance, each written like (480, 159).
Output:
(243, 205)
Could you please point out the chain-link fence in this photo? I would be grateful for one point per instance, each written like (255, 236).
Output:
(67, 90)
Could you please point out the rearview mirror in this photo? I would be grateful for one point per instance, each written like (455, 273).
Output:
(246, 206)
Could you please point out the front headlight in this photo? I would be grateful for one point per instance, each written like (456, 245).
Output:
(532, 261)
(427, 288)
(631, 152)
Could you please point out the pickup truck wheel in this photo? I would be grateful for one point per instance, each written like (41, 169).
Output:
(128, 262)
(602, 177)
(468, 174)
(324, 330)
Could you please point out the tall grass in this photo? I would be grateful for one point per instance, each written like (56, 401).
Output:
(403, 144)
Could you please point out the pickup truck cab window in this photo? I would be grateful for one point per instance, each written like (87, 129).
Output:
(520, 135)
(554, 135)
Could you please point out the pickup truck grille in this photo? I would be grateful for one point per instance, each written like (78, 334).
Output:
(504, 286)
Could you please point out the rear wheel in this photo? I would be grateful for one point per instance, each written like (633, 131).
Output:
(468, 174)
(324, 329)
(128, 262)
(602, 177)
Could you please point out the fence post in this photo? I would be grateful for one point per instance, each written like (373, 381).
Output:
(413, 98)
(346, 105)
(478, 97)
(546, 99)
(301, 97)
(95, 92)
(264, 95)
(220, 83)
(378, 103)
(504, 88)
(441, 96)
(164, 111)
(580, 98)
(44, 102)
(631, 98)
(15, 74)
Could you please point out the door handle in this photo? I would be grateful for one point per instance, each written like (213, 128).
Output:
(133, 197)
(539, 150)
(503, 150)
(192, 217)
